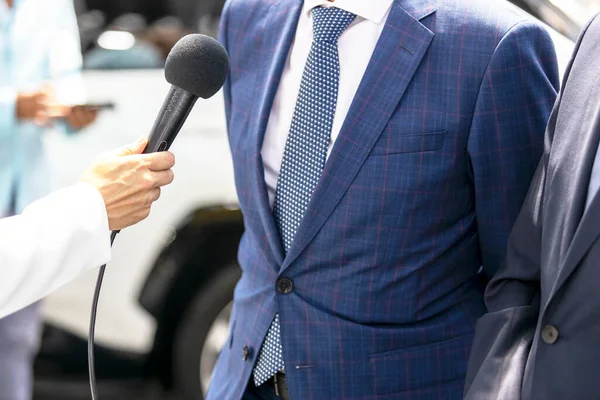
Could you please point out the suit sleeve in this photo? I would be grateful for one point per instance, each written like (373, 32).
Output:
(506, 139)
(53, 241)
(223, 27)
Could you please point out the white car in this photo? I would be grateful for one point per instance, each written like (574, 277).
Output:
(165, 302)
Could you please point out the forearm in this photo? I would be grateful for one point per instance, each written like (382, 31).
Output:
(517, 282)
(507, 135)
(52, 242)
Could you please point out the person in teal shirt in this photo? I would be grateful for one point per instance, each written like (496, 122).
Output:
(40, 84)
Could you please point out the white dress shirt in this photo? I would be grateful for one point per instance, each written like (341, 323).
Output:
(355, 48)
(53, 241)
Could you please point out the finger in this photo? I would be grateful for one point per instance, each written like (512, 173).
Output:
(143, 214)
(151, 197)
(79, 117)
(154, 194)
(41, 118)
(72, 119)
(55, 110)
(162, 178)
(90, 116)
(136, 147)
(159, 161)
(87, 117)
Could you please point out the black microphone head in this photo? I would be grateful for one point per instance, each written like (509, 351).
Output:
(197, 64)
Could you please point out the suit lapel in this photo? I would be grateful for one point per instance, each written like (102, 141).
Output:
(279, 27)
(401, 47)
(583, 225)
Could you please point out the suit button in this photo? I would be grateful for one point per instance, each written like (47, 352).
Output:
(284, 285)
(549, 334)
(246, 351)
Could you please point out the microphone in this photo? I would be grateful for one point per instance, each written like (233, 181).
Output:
(196, 66)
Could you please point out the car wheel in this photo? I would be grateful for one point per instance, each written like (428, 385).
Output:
(202, 333)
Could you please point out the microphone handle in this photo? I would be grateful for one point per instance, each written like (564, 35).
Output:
(170, 119)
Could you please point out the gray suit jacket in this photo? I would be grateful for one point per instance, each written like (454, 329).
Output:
(541, 337)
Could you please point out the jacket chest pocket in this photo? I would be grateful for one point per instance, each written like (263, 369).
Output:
(409, 143)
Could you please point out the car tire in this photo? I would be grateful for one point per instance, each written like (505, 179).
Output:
(195, 337)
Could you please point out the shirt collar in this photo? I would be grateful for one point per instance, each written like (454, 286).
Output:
(372, 10)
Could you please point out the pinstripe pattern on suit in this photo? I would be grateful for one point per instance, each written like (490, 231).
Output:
(421, 189)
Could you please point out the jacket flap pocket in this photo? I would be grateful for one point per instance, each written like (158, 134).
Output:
(421, 367)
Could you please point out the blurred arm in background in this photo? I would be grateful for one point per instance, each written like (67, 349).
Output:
(65, 63)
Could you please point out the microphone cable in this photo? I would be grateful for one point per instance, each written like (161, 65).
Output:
(91, 365)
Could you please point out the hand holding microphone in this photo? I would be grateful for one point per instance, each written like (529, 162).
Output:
(130, 182)
(196, 67)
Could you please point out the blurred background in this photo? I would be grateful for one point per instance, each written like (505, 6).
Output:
(138, 33)
(165, 304)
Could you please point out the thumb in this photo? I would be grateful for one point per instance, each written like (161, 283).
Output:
(41, 118)
(136, 147)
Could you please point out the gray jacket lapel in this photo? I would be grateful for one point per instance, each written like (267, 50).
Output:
(567, 223)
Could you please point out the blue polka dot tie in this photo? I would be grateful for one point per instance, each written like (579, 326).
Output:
(305, 152)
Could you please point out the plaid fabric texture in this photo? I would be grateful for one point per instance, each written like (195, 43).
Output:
(421, 189)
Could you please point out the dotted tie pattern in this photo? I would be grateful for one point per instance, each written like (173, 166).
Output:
(305, 152)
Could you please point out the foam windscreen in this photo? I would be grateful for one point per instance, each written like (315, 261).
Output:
(197, 64)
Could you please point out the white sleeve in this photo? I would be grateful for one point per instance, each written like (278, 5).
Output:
(55, 239)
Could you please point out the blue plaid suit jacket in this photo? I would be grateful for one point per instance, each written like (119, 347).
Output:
(420, 191)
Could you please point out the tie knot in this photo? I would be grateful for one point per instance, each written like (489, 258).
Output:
(329, 23)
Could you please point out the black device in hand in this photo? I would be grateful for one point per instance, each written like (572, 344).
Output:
(97, 106)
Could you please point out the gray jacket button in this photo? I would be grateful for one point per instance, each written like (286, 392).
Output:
(550, 334)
